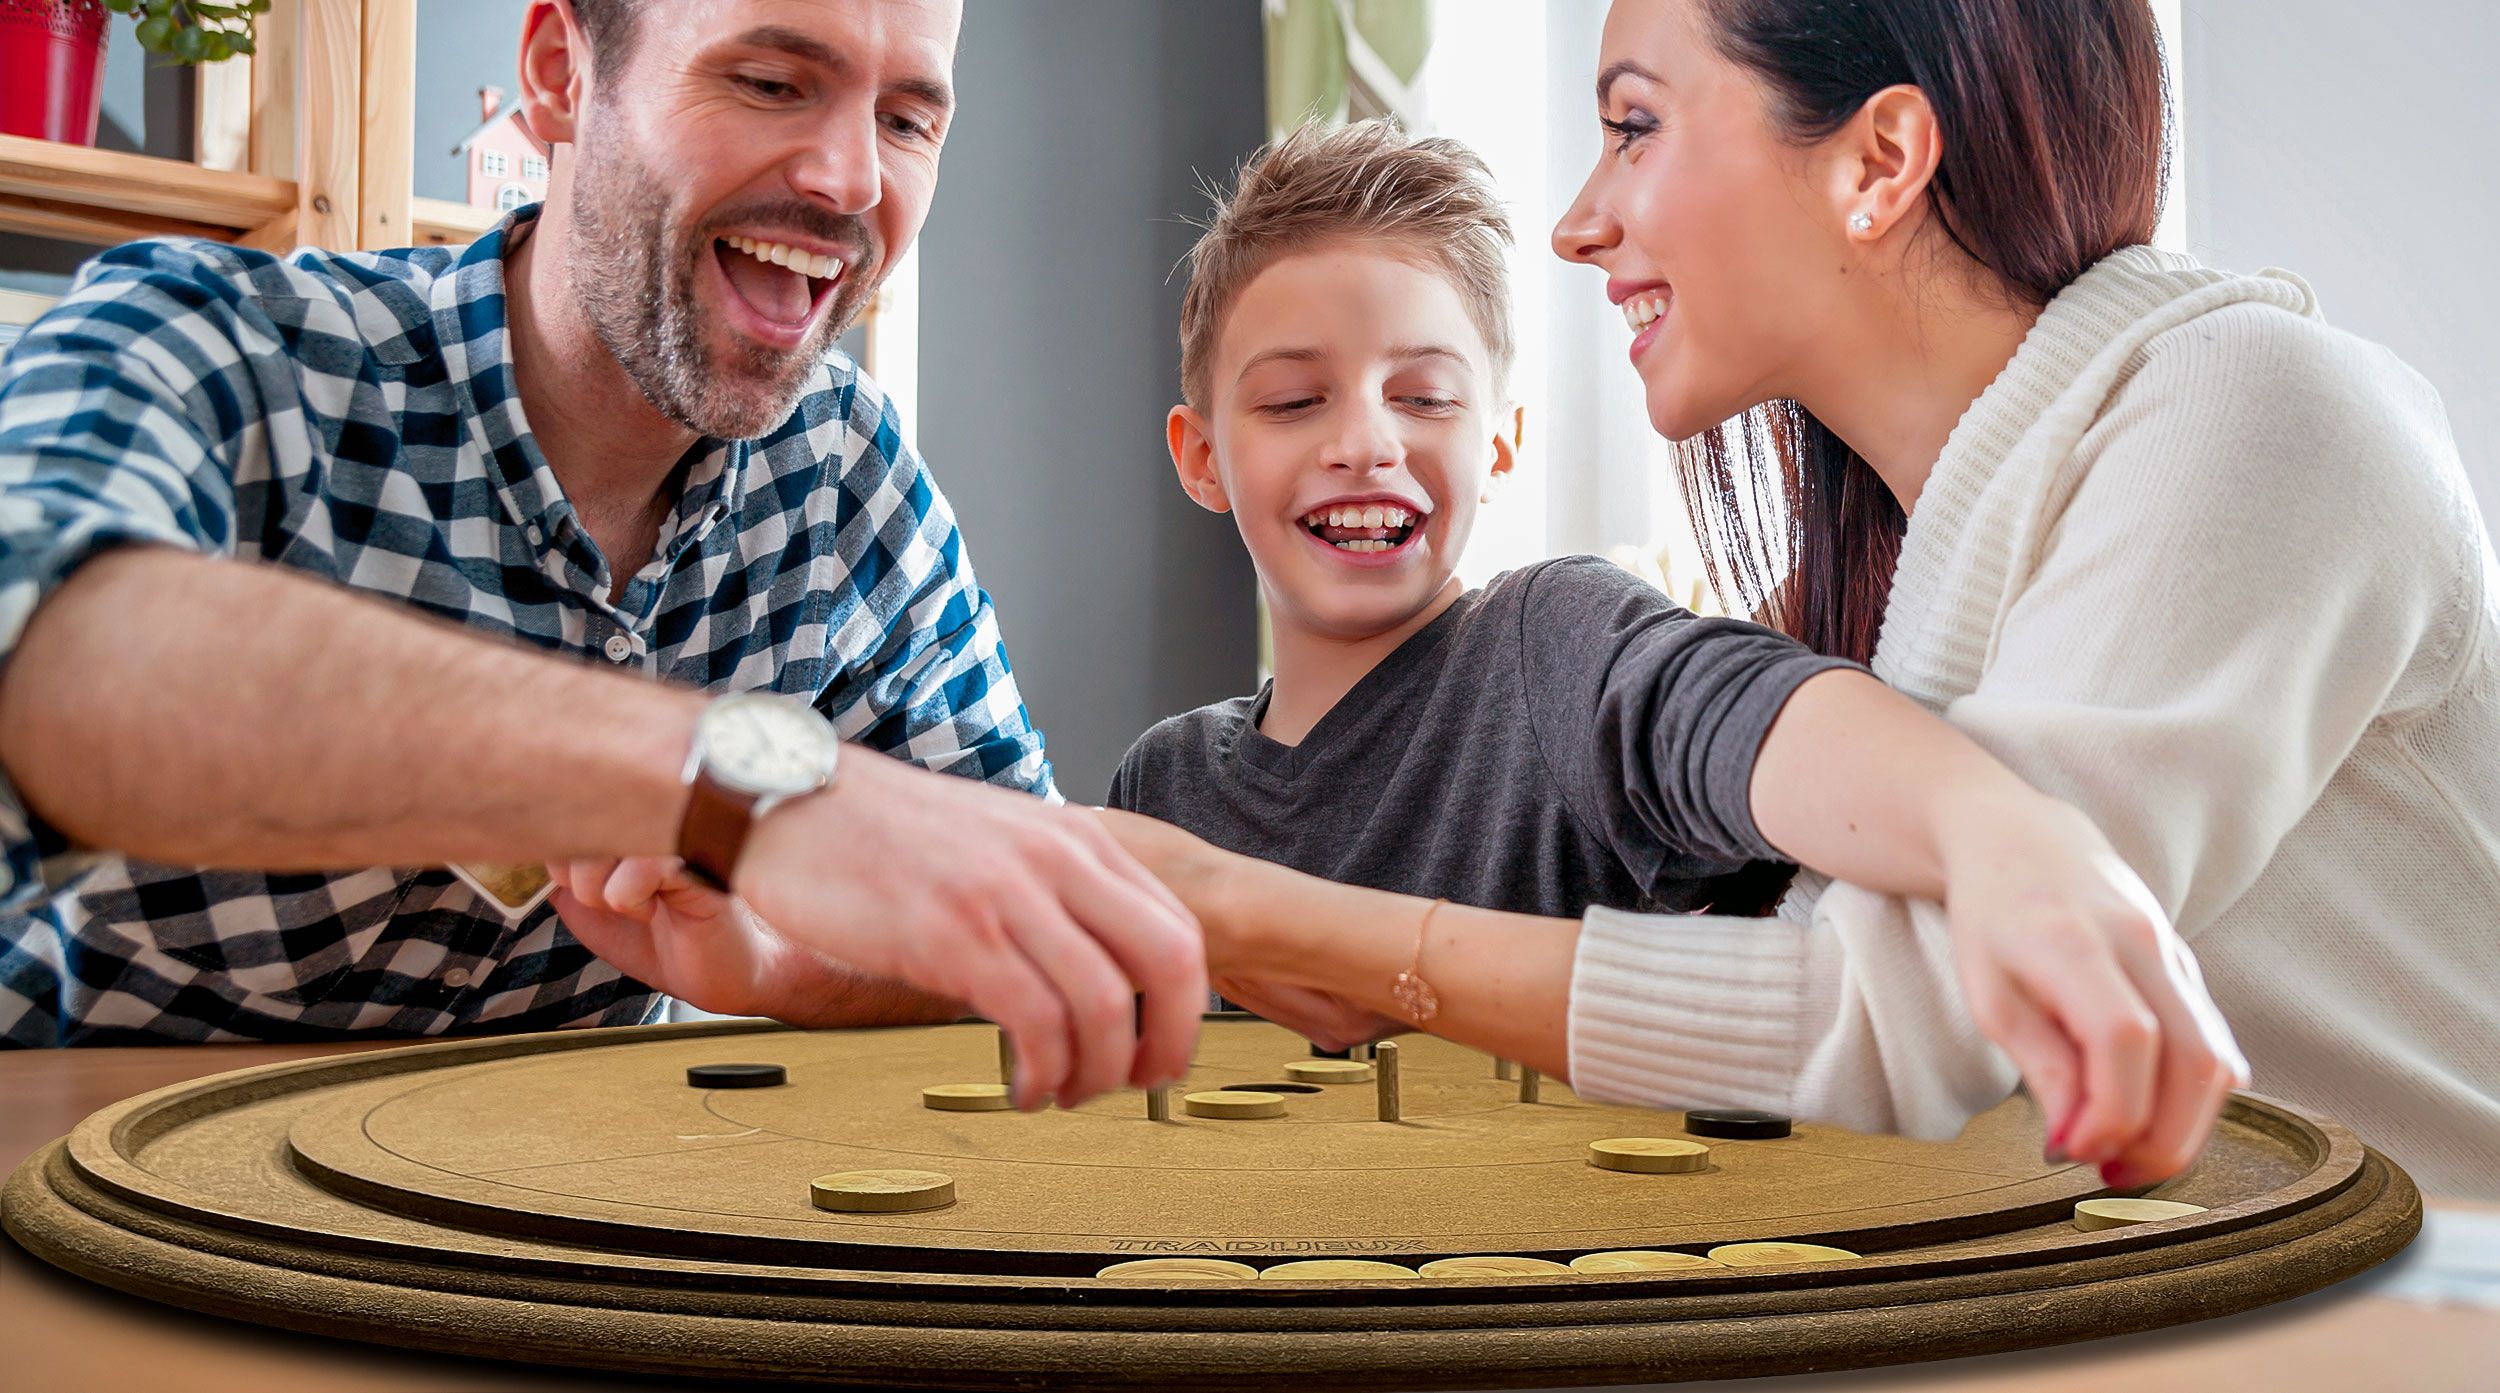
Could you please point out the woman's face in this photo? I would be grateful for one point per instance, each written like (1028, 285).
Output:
(1721, 239)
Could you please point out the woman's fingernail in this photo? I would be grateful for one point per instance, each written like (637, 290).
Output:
(2116, 1176)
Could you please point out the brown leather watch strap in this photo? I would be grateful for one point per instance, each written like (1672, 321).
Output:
(714, 830)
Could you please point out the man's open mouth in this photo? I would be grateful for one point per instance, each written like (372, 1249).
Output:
(782, 284)
(1362, 528)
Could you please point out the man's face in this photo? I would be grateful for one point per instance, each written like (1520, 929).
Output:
(748, 172)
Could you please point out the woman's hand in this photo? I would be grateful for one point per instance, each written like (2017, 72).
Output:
(656, 923)
(2071, 967)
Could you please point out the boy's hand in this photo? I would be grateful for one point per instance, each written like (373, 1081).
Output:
(2070, 966)
(1328, 1021)
(1199, 873)
(1188, 864)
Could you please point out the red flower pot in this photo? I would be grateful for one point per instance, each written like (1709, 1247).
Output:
(52, 68)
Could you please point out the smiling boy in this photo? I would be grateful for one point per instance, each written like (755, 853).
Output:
(1565, 736)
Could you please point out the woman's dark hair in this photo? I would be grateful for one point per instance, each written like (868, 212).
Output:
(2053, 120)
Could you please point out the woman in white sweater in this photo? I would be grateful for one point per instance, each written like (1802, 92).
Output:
(2155, 535)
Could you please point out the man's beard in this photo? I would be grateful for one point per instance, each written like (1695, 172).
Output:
(633, 273)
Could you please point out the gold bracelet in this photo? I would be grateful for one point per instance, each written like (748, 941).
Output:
(1414, 995)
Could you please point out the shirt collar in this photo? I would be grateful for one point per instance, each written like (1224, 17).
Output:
(472, 325)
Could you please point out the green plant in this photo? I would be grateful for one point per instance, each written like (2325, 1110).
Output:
(192, 31)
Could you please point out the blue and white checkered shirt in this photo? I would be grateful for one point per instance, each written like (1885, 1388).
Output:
(354, 417)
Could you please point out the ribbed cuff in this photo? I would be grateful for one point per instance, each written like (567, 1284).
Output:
(1690, 1010)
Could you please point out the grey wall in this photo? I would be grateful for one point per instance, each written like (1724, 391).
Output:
(1049, 353)
(2351, 143)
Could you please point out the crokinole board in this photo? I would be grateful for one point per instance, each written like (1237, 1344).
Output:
(570, 1199)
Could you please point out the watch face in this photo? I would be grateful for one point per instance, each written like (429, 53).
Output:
(768, 745)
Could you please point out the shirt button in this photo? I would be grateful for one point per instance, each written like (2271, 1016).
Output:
(536, 536)
(456, 978)
(619, 648)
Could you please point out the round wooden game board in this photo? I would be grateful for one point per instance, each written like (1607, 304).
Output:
(571, 1199)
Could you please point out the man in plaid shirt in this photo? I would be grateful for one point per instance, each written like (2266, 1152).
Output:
(400, 559)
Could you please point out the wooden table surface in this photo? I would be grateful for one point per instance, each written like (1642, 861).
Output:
(65, 1333)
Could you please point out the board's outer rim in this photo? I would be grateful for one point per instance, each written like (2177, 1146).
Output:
(2328, 1152)
(2374, 1217)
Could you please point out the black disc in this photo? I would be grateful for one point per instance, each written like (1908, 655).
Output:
(1318, 1053)
(1736, 1124)
(737, 1075)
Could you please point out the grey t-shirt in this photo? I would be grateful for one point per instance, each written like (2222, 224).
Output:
(1565, 737)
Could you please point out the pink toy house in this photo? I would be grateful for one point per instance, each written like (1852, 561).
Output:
(507, 162)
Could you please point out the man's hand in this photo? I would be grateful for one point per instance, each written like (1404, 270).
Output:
(656, 923)
(1030, 914)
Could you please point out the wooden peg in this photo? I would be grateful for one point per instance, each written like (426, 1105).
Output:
(1528, 1080)
(1385, 1074)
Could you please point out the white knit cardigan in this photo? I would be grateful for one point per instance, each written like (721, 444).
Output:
(2210, 570)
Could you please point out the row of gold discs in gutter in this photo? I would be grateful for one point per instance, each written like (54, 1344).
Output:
(2090, 1216)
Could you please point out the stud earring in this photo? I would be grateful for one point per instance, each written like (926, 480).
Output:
(1861, 222)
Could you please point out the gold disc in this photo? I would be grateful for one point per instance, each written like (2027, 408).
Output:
(1335, 1270)
(1639, 1260)
(882, 1192)
(1494, 1267)
(1180, 1270)
(1330, 1071)
(2092, 1216)
(1649, 1155)
(967, 1097)
(1233, 1103)
(1776, 1254)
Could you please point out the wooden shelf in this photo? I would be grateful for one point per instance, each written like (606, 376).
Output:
(441, 223)
(105, 196)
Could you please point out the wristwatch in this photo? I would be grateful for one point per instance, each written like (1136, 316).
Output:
(752, 752)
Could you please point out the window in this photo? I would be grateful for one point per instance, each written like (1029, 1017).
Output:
(493, 164)
(511, 196)
(534, 168)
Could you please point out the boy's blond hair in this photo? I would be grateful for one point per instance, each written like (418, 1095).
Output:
(1430, 199)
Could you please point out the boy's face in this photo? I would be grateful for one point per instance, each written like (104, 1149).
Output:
(1351, 429)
